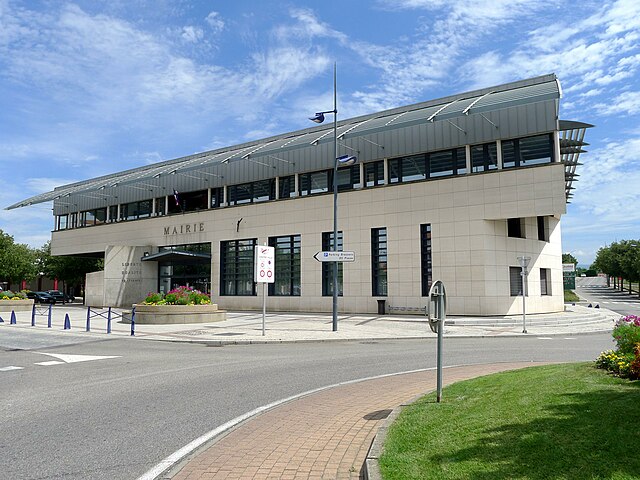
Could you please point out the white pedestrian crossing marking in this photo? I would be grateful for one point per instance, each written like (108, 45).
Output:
(10, 368)
(67, 358)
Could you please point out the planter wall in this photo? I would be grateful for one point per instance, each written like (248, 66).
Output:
(16, 305)
(172, 314)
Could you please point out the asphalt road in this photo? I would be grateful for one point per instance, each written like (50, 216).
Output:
(595, 291)
(65, 417)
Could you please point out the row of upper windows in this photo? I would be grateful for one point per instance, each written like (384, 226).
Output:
(520, 152)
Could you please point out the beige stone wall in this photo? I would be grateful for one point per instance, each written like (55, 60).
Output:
(471, 250)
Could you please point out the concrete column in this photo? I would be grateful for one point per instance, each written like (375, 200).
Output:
(499, 150)
(467, 152)
(385, 170)
(277, 188)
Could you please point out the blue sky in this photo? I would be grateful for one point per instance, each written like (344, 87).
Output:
(95, 87)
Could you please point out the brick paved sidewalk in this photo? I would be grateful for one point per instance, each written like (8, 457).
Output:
(325, 435)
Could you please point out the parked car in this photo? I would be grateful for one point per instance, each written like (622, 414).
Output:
(61, 297)
(41, 297)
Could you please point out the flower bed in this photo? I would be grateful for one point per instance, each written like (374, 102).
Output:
(18, 302)
(625, 360)
(181, 305)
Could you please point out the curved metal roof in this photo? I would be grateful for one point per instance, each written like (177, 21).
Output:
(277, 153)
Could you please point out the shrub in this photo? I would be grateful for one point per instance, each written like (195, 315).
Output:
(9, 295)
(625, 360)
(178, 296)
(627, 334)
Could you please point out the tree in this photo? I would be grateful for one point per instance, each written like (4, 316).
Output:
(71, 270)
(17, 261)
(568, 258)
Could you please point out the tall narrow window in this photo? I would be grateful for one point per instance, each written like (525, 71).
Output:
(484, 157)
(236, 267)
(327, 267)
(287, 260)
(515, 281)
(543, 229)
(379, 261)
(374, 173)
(515, 228)
(545, 281)
(426, 267)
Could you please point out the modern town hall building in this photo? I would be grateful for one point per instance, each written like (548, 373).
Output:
(454, 189)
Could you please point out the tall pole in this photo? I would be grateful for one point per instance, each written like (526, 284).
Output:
(335, 197)
(524, 296)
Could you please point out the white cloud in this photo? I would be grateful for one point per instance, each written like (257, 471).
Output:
(192, 34)
(625, 103)
(215, 22)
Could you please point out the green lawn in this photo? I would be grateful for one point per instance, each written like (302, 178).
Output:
(569, 421)
(570, 296)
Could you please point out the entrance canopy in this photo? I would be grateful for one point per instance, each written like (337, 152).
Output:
(189, 258)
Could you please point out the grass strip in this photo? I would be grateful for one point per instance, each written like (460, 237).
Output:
(568, 421)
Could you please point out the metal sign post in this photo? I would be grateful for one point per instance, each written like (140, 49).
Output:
(437, 314)
(265, 273)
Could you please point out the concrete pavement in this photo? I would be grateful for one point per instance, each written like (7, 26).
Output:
(246, 327)
(324, 434)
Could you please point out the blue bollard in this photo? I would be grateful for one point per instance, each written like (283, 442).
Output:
(109, 321)
(589, 305)
(13, 318)
(49, 317)
(1, 320)
(597, 305)
(33, 315)
(133, 321)
(67, 322)
(88, 319)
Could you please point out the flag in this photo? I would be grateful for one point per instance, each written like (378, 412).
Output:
(175, 196)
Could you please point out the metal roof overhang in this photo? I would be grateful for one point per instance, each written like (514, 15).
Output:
(191, 258)
(155, 179)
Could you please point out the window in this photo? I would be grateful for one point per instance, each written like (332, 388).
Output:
(217, 197)
(524, 152)
(426, 266)
(236, 267)
(484, 157)
(287, 266)
(515, 228)
(135, 210)
(327, 267)
(113, 213)
(252, 192)
(545, 281)
(287, 187)
(188, 201)
(407, 169)
(379, 261)
(515, 281)
(93, 217)
(62, 222)
(160, 204)
(348, 178)
(447, 162)
(543, 229)
(314, 182)
(374, 173)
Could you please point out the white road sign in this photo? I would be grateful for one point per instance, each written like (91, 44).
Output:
(335, 256)
(265, 264)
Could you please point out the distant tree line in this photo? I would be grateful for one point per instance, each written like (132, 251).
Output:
(620, 260)
(20, 262)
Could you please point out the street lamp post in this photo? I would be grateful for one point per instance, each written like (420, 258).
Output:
(344, 160)
(524, 263)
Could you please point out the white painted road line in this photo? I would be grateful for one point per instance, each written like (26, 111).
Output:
(75, 358)
(49, 363)
(545, 338)
(10, 368)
